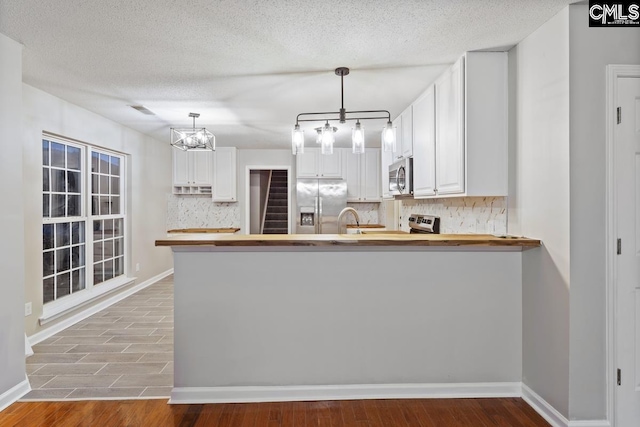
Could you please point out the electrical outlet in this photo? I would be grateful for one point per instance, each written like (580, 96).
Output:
(27, 309)
(138, 266)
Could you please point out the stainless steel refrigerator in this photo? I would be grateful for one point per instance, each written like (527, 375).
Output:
(319, 203)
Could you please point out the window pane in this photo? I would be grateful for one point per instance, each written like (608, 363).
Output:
(95, 179)
(47, 264)
(115, 185)
(118, 266)
(73, 205)
(104, 163)
(97, 230)
(47, 236)
(97, 251)
(77, 256)
(104, 184)
(94, 162)
(63, 285)
(73, 182)
(108, 249)
(104, 205)
(57, 155)
(117, 227)
(115, 166)
(45, 152)
(77, 280)
(45, 179)
(77, 232)
(118, 248)
(58, 202)
(115, 205)
(73, 158)
(95, 205)
(62, 234)
(108, 228)
(108, 270)
(58, 183)
(47, 290)
(97, 273)
(45, 205)
(63, 260)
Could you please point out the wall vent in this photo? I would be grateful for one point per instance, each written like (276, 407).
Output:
(143, 110)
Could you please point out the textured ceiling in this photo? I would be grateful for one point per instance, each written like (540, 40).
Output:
(248, 67)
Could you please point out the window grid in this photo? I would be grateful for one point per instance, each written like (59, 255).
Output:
(67, 241)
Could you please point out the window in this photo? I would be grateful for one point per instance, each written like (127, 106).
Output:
(70, 208)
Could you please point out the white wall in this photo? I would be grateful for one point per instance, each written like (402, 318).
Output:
(592, 49)
(149, 182)
(539, 122)
(12, 253)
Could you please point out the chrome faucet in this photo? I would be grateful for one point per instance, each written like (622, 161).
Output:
(355, 215)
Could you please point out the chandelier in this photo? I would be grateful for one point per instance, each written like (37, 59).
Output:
(193, 139)
(326, 134)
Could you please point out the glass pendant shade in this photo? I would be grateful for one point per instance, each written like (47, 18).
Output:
(389, 137)
(328, 138)
(297, 140)
(319, 136)
(357, 139)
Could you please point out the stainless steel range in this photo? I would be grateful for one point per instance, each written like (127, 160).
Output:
(424, 224)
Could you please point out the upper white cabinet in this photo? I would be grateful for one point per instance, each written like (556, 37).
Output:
(460, 130)
(424, 144)
(386, 159)
(224, 175)
(404, 134)
(313, 164)
(362, 173)
(192, 172)
(450, 130)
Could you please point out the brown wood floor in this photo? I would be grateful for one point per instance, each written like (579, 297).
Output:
(511, 412)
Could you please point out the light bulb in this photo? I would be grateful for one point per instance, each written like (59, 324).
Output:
(328, 139)
(297, 140)
(319, 136)
(389, 137)
(357, 139)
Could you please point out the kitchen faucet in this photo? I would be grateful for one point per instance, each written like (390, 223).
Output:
(355, 215)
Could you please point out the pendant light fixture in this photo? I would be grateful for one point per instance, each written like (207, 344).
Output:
(193, 139)
(325, 136)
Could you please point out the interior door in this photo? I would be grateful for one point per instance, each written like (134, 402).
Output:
(627, 271)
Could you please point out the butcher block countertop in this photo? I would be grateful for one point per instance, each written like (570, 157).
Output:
(352, 240)
(365, 226)
(204, 230)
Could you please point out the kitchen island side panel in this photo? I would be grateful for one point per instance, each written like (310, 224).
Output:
(271, 318)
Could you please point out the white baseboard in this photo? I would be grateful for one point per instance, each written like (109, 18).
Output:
(90, 311)
(14, 393)
(542, 407)
(193, 395)
(591, 423)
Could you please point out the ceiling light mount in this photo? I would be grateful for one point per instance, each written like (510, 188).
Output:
(342, 116)
(193, 139)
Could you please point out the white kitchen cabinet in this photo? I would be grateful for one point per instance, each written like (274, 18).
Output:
(450, 130)
(313, 164)
(397, 153)
(460, 149)
(224, 175)
(424, 144)
(386, 159)
(362, 173)
(407, 132)
(192, 172)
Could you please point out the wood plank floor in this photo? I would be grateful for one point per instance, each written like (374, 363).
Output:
(510, 412)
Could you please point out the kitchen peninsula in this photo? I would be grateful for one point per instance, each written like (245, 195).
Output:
(312, 317)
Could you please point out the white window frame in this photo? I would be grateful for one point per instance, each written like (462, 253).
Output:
(59, 307)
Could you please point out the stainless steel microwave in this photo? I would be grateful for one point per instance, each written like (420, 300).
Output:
(401, 177)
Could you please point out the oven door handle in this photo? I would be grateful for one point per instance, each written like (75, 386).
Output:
(402, 187)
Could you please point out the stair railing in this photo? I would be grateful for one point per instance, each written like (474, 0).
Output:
(266, 203)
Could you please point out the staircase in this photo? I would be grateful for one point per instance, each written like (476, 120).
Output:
(276, 216)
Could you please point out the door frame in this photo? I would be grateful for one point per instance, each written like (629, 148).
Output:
(613, 72)
(247, 192)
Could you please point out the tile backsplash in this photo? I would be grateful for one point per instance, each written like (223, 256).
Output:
(367, 212)
(461, 214)
(200, 212)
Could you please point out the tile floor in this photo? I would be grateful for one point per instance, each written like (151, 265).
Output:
(124, 351)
